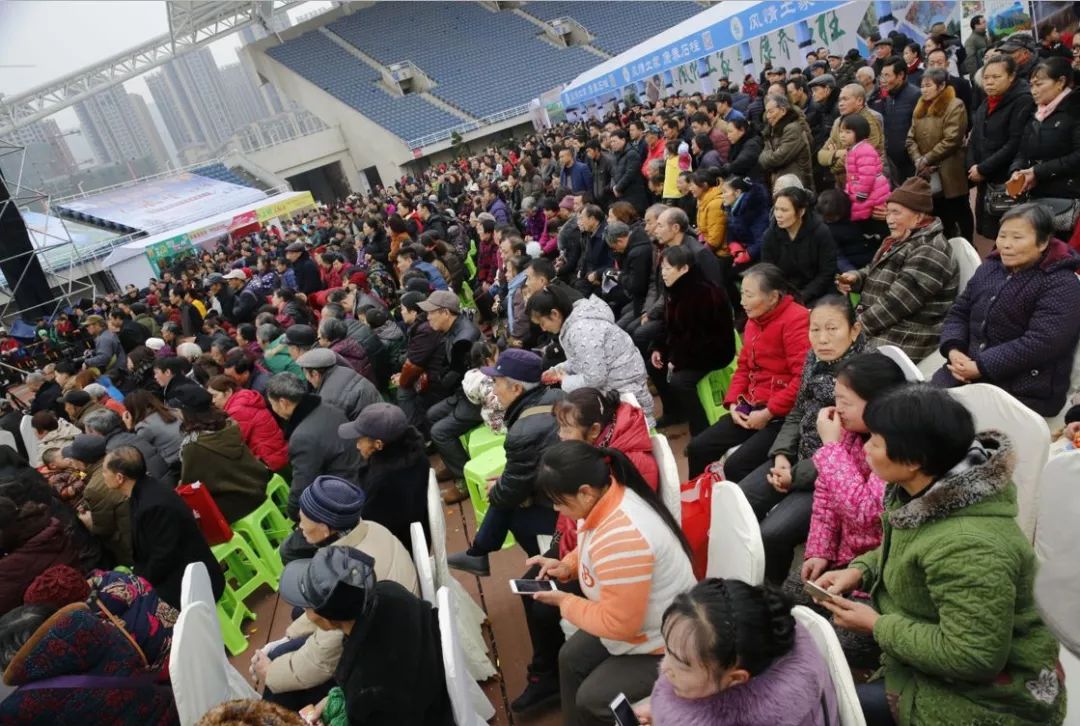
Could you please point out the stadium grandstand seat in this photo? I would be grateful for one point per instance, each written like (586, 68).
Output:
(222, 173)
(470, 64)
(344, 76)
(618, 26)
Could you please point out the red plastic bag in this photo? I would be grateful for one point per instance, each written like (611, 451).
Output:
(697, 516)
(207, 515)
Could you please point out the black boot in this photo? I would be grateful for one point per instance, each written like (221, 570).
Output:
(540, 689)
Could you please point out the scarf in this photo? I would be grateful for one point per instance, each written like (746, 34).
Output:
(1043, 112)
(992, 103)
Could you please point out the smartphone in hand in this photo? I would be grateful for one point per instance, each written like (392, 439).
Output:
(528, 587)
(623, 711)
(817, 593)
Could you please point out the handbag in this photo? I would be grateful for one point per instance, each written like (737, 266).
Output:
(1064, 210)
(697, 517)
(211, 521)
(997, 201)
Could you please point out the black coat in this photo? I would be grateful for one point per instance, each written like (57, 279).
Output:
(165, 539)
(627, 180)
(1052, 147)
(526, 439)
(699, 332)
(808, 261)
(995, 139)
(395, 483)
(46, 399)
(635, 265)
(391, 667)
(308, 279)
(899, 110)
(743, 158)
(601, 178)
(378, 247)
(132, 335)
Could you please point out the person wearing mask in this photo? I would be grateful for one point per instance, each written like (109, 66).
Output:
(766, 380)
(951, 585)
(1048, 161)
(165, 538)
(599, 353)
(530, 429)
(301, 670)
(997, 127)
(631, 560)
(1013, 325)
(900, 100)
(911, 282)
(787, 140)
(745, 153)
(780, 490)
(258, 428)
(800, 245)
(310, 427)
(935, 143)
(746, 203)
(699, 335)
(735, 654)
(339, 591)
(627, 183)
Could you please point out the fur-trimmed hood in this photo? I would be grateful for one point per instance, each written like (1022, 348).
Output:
(981, 483)
(938, 106)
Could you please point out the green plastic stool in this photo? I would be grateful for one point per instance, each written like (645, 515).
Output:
(278, 490)
(265, 529)
(244, 568)
(470, 267)
(713, 387)
(481, 439)
(478, 470)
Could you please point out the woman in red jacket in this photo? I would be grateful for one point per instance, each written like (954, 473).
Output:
(258, 428)
(766, 379)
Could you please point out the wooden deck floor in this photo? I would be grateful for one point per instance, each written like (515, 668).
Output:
(508, 639)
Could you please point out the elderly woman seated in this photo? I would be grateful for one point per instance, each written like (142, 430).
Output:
(911, 282)
(1016, 324)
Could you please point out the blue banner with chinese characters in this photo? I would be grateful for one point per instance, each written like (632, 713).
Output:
(759, 20)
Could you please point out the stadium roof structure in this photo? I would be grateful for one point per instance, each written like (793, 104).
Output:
(192, 24)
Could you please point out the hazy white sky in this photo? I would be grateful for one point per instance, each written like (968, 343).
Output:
(41, 40)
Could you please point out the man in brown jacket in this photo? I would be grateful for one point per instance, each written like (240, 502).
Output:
(107, 514)
(832, 153)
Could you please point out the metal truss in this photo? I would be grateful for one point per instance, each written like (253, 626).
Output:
(192, 24)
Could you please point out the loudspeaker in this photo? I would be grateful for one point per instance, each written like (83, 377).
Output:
(23, 273)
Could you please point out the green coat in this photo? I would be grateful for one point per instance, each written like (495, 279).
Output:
(276, 358)
(953, 580)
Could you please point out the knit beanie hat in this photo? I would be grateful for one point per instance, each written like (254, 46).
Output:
(332, 501)
(914, 194)
(58, 586)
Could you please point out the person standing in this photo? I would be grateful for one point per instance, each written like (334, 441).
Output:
(900, 100)
(975, 46)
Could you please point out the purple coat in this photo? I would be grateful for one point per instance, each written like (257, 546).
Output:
(1021, 329)
(796, 690)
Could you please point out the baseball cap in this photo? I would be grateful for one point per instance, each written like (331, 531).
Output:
(91, 319)
(338, 583)
(1016, 41)
(441, 300)
(155, 344)
(521, 365)
(86, 448)
(382, 421)
(235, 275)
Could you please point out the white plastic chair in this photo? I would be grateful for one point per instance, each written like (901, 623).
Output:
(735, 548)
(201, 676)
(993, 408)
(470, 617)
(670, 487)
(8, 439)
(967, 261)
(911, 371)
(847, 699)
(471, 707)
(1057, 534)
(29, 439)
(423, 562)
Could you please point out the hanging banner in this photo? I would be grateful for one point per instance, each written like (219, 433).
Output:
(287, 207)
(161, 252)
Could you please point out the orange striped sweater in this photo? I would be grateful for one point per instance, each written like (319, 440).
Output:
(630, 567)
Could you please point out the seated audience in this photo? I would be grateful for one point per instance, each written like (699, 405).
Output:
(766, 380)
(337, 385)
(51, 432)
(953, 609)
(31, 541)
(107, 514)
(154, 424)
(258, 428)
(747, 205)
(855, 243)
(911, 282)
(1014, 325)
(630, 562)
(735, 654)
(339, 591)
(800, 244)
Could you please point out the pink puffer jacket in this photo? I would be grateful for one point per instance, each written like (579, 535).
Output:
(866, 187)
(848, 502)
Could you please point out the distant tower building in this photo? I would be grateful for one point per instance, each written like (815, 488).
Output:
(46, 133)
(245, 101)
(146, 123)
(190, 94)
(110, 123)
(168, 105)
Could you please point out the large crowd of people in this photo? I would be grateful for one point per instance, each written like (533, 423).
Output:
(562, 290)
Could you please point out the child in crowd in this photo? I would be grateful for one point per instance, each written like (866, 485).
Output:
(480, 389)
(855, 243)
(866, 186)
(62, 477)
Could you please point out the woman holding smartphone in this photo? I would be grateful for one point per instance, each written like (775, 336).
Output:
(952, 582)
(631, 561)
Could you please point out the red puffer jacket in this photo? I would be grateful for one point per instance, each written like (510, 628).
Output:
(629, 434)
(259, 429)
(771, 361)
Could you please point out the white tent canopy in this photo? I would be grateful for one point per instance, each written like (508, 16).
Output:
(719, 27)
